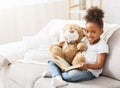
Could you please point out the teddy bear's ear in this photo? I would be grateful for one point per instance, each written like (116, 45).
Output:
(83, 31)
(65, 27)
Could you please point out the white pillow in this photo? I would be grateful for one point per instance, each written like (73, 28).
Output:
(30, 42)
(38, 54)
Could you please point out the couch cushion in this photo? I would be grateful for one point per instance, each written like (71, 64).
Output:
(112, 68)
(101, 82)
(24, 74)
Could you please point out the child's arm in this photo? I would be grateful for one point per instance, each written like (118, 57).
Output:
(98, 65)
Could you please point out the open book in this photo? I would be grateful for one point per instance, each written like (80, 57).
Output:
(64, 65)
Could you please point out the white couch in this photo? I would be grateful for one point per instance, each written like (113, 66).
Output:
(23, 62)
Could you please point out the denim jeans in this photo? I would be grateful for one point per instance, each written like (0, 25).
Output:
(74, 75)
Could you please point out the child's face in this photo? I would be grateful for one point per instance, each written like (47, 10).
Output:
(93, 32)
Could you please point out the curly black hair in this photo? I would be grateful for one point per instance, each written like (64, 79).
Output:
(95, 15)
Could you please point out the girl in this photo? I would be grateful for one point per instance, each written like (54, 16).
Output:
(95, 54)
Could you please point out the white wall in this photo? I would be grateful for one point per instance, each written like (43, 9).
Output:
(112, 11)
(19, 19)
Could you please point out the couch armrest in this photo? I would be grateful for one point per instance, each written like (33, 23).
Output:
(12, 52)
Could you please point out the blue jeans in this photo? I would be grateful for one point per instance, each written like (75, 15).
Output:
(74, 75)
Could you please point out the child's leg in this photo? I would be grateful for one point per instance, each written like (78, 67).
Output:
(54, 69)
(56, 74)
(77, 75)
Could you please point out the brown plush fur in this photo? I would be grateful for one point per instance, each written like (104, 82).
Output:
(72, 54)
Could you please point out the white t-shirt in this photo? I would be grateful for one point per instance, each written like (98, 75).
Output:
(93, 51)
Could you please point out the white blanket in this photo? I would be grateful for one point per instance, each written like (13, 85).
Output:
(32, 61)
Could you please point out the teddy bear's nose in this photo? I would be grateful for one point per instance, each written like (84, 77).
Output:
(71, 30)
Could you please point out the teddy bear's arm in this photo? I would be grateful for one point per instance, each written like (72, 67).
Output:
(60, 44)
(56, 44)
(81, 46)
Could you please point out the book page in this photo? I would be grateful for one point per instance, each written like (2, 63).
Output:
(64, 65)
(61, 63)
(72, 67)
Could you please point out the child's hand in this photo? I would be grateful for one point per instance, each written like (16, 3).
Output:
(83, 66)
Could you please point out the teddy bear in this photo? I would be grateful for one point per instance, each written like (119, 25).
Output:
(72, 47)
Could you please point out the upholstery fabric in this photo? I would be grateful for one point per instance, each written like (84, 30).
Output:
(101, 82)
(112, 68)
(33, 79)
(27, 73)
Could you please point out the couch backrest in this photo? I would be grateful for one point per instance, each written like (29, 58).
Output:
(112, 68)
